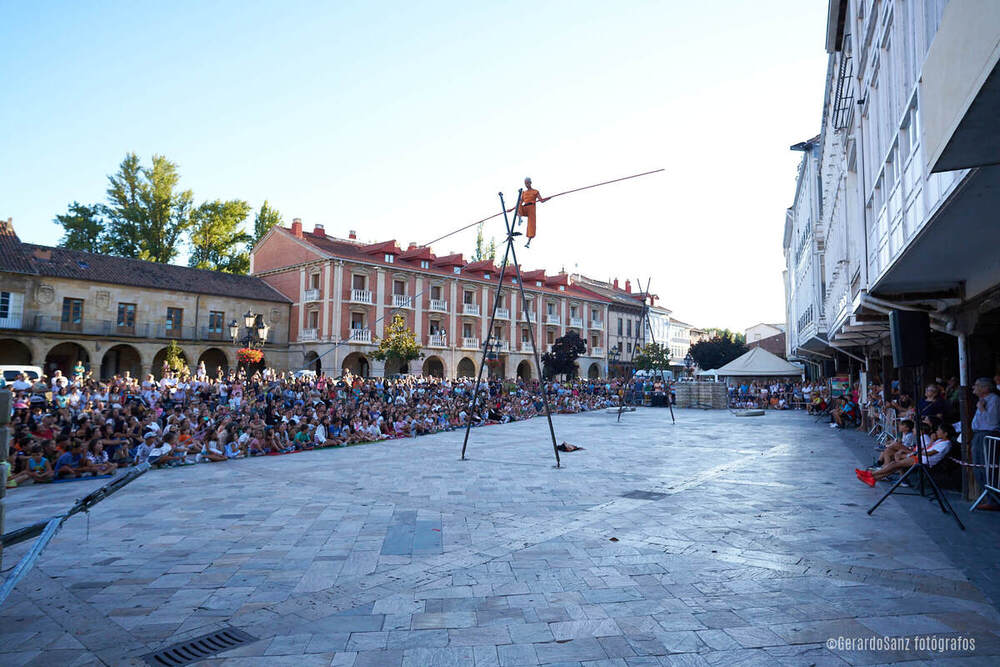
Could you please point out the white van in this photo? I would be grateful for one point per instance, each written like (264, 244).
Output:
(10, 373)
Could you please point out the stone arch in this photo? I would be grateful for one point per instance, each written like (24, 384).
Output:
(357, 363)
(594, 371)
(524, 370)
(64, 356)
(214, 358)
(434, 366)
(157, 367)
(466, 368)
(312, 362)
(120, 359)
(14, 353)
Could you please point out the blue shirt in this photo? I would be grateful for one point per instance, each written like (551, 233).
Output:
(68, 459)
(988, 419)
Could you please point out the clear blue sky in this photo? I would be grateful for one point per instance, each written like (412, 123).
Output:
(403, 120)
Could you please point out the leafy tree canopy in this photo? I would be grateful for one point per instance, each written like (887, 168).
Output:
(217, 240)
(399, 344)
(562, 359)
(484, 251)
(653, 357)
(266, 218)
(83, 228)
(718, 350)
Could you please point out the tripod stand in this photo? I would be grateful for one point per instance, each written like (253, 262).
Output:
(641, 327)
(921, 470)
(510, 255)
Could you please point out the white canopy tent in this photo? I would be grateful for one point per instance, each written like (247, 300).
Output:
(758, 362)
(714, 373)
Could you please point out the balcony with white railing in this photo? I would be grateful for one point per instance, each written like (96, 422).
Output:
(307, 335)
(530, 317)
(503, 345)
(402, 301)
(438, 340)
(361, 296)
(553, 319)
(596, 351)
(576, 322)
(470, 309)
(526, 346)
(470, 343)
(312, 294)
(597, 324)
(503, 313)
(361, 335)
(439, 305)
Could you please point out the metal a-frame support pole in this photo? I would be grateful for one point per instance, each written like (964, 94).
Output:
(511, 254)
(641, 329)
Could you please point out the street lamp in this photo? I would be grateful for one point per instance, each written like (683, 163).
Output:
(491, 348)
(689, 364)
(256, 330)
(614, 354)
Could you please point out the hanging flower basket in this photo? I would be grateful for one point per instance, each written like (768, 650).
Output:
(249, 356)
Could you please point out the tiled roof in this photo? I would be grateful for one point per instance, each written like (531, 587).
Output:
(441, 265)
(79, 265)
(13, 258)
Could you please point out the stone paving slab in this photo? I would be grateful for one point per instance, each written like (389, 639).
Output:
(717, 540)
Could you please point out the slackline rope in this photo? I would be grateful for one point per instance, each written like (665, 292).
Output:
(558, 194)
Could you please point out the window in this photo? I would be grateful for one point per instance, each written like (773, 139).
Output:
(126, 317)
(486, 276)
(629, 327)
(538, 283)
(550, 308)
(574, 311)
(435, 326)
(500, 300)
(425, 264)
(357, 320)
(562, 288)
(498, 332)
(594, 341)
(11, 306)
(313, 319)
(630, 348)
(399, 287)
(468, 297)
(551, 337)
(4, 305)
(216, 323)
(619, 326)
(175, 320)
(436, 292)
(314, 281)
(389, 258)
(358, 282)
(467, 330)
(72, 314)
(525, 336)
(457, 269)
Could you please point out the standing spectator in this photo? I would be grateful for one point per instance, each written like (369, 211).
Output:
(986, 422)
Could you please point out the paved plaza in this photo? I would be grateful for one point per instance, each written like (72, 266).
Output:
(716, 541)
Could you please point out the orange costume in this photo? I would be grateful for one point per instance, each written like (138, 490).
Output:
(527, 209)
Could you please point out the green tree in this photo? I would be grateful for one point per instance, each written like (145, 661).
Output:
(174, 358)
(398, 345)
(147, 215)
(562, 359)
(484, 251)
(83, 228)
(726, 333)
(652, 357)
(217, 240)
(266, 218)
(718, 350)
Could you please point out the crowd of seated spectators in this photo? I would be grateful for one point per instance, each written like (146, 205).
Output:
(69, 427)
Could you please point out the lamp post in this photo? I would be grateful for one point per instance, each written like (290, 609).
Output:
(614, 354)
(689, 364)
(492, 350)
(256, 331)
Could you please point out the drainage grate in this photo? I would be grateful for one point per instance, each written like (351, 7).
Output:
(199, 648)
(644, 495)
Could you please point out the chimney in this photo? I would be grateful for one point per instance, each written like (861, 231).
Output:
(297, 227)
(352, 234)
(412, 246)
(319, 231)
(616, 283)
(628, 285)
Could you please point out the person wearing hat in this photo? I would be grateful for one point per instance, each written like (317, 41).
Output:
(529, 198)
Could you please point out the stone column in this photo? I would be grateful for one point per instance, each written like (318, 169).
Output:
(379, 303)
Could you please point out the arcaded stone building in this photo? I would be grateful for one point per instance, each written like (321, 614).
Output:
(58, 306)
